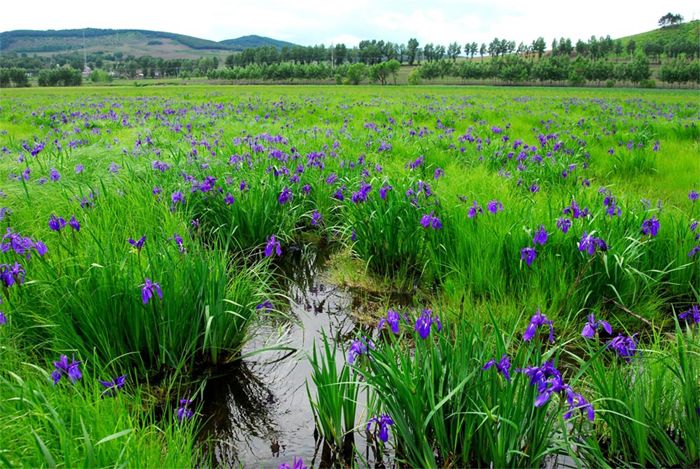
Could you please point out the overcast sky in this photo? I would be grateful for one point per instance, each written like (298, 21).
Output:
(308, 22)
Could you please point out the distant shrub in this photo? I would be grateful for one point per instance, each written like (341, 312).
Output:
(356, 73)
(414, 77)
(100, 76)
(155, 43)
(13, 77)
(648, 83)
(575, 79)
(610, 83)
(64, 76)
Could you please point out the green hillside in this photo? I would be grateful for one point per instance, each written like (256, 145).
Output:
(134, 42)
(252, 41)
(689, 31)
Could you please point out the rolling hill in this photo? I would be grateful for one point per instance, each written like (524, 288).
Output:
(689, 31)
(246, 42)
(136, 42)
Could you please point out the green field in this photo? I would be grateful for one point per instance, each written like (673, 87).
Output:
(141, 228)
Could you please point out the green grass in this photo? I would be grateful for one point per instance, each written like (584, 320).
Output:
(231, 151)
(688, 31)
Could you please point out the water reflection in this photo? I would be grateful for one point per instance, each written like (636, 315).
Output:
(259, 414)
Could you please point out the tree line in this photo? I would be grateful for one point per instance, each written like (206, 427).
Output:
(508, 69)
(354, 74)
(114, 64)
(374, 51)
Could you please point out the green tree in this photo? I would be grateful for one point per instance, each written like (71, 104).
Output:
(453, 51)
(638, 69)
(429, 52)
(393, 66)
(63, 76)
(581, 48)
(356, 73)
(471, 49)
(669, 19)
(411, 50)
(439, 52)
(100, 76)
(14, 76)
(340, 54)
(538, 46)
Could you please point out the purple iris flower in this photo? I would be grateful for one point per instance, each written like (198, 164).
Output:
(138, 244)
(361, 194)
(474, 210)
(540, 236)
(11, 274)
(577, 401)
(537, 320)
(63, 368)
(564, 224)
(285, 196)
(590, 244)
(113, 386)
(625, 346)
(148, 289)
(56, 223)
(54, 175)
(179, 241)
(383, 191)
(357, 348)
(3, 319)
(425, 321)
(693, 314)
(439, 172)
(79, 168)
(382, 424)
(431, 221)
(392, 319)
(575, 211)
(612, 209)
(265, 305)
(228, 199)
(494, 206)
(547, 379)
(184, 412)
(74, 223)
(417, 163)
(592, 325)
(273, 246)
(650, 226)
(177, 197)
(316, 218)
(693, 196)
(297, 464)
(502, 366)
(528, 255)
(338, 195)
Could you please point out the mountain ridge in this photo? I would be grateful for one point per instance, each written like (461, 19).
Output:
(137, 42)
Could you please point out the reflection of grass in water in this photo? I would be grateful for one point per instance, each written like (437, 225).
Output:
(240, 407)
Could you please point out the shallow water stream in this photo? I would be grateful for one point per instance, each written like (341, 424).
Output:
(259, 413)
